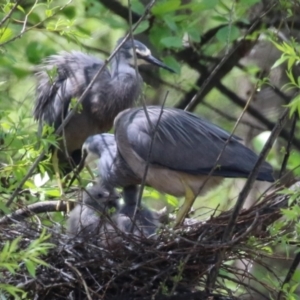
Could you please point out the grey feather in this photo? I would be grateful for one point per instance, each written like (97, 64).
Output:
(113, 91)
(186, 143)
(89, 218)
(146, 222)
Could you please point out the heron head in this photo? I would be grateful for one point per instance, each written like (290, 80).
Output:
(143, 54)
(95, 145)
(99, 197)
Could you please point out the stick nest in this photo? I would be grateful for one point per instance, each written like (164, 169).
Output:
(172, 265)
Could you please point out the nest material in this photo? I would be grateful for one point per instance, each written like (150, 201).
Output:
(174, 265)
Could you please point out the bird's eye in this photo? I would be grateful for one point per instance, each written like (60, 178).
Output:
(100, 195)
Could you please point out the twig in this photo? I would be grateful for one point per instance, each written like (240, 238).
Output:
(290, 274)
(72, 112)
(231, 118)
(120, 10)
(288, 147)
(224, 59)
(244, 193)
(10, 12)
(24, 30)
(244, 285)
(35, 208)
(254, 112)
(82, 280)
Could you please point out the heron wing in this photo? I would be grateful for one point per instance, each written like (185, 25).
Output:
(74, 71)
(186, 143)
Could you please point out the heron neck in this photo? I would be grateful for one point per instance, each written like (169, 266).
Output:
(119, 66)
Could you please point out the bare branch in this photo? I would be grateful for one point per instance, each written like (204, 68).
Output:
(32, 209)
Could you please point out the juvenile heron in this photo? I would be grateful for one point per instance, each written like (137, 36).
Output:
(88, 219)
(113, 91)
(184, 151)
(146, 221)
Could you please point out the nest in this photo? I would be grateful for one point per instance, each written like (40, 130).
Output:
(173, 265)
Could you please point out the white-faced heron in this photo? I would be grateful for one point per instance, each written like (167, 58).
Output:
(184, 151)
(114, 90)
(89, 218)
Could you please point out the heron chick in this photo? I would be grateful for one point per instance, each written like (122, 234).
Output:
(185, 150)
(89, 218)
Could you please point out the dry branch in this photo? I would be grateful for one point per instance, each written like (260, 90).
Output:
(140, 268)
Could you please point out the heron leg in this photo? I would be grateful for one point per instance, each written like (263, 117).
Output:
(186, 206)
(59, 183)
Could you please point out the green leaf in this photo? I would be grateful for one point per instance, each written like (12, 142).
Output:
(194, 34)
(33, 52)
(144, 25)
(69, 12)
(249, 2)
(291, 62)
(162, 8)
(52, 192)
(172, 63)
(5, 34)
(173, 201)
(137, 7)
(220, 19)
(7, 7)
(199, 6)
(34, 18)
(228, 34)
(170, 22)
(172, 41)
(20, 8)
(294, 105)
(12, 290)
(49, 13)
(279, 61)
(30, 266)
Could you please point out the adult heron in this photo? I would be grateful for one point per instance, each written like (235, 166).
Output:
(185, 150)
(113, 91)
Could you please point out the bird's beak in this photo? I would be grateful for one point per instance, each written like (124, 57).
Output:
(79, 168)
(114, 197)
(154, 61)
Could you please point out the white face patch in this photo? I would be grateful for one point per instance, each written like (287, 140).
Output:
(139, 61)
(144, 53)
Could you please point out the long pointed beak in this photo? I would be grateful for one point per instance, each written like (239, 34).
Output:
(78, 169)
(154, 61)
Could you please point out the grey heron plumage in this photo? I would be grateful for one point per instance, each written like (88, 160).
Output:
(146, 221)
(88, 218)
(185, 149)
(64, 77)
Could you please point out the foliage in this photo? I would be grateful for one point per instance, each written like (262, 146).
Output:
(13, 257)
(197, 39)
